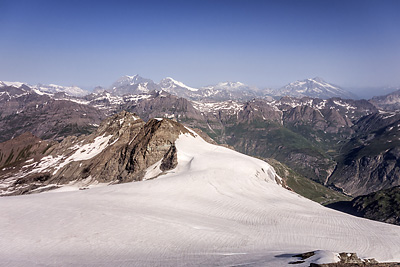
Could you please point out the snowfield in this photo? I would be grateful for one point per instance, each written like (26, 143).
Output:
(217, 208)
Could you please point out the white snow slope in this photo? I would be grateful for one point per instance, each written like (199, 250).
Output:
(217, 208)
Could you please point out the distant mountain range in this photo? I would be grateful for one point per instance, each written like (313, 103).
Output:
(128, 85)
(49, 89)
(317, 88)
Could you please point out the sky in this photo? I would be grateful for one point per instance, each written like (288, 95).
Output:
(354, 44)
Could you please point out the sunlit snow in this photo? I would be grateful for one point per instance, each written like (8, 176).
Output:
(216, 208)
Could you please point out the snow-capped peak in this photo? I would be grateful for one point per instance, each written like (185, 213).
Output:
(54, 88)
(231, 84)
(132, 85)
(49, 88)
(314, 87)
(131, 80)
(13, 84)
(170, 83)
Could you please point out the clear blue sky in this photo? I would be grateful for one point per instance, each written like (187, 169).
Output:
(262, 43)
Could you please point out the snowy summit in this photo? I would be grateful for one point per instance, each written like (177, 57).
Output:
(315, 87)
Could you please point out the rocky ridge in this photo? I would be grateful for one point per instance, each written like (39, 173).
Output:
(120, 150)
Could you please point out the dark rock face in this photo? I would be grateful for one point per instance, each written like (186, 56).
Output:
(368, 173)
(121, 150)
(170, 159)
(370, 160)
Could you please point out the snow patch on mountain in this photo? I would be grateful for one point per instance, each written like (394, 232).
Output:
(232, 107)
(88, 151)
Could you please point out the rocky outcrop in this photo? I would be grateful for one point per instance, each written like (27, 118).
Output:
(121, 150)
(345, 260)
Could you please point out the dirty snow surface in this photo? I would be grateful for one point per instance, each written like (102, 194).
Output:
(217, 208)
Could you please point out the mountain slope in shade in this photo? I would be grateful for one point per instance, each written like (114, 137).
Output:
(383, 205)
(217, 207)
(315, 87)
